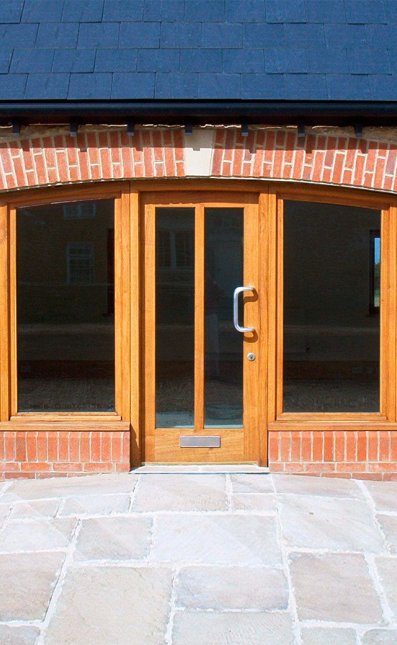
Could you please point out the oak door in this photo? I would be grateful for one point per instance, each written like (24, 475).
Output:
(201, 327)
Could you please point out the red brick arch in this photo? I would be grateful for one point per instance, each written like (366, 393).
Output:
(319, 158)
(48, 158)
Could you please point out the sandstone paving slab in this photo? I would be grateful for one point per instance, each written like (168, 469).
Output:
(36, 535)
(322, 486)
(26, 584)
(116, 538)
(180, 493)
(35, 509)
(328, 523)
(387, 569)
(232, 628)
(95, 505)
(5, 510)
(389, 528)
(380, 637)
(69, 486)
(251, 483)
(216, 539)
(21, 635)
(263, 502)
(112, 605)
(384, 495)
(231, 588)
(328, 636)
(334, 587)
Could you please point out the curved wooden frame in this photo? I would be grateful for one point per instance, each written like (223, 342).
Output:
(130, 197)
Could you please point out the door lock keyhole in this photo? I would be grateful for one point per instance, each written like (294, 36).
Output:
(251, 356)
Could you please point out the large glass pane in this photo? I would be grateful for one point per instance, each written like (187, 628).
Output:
(223, 393)
(174, 317)
(66, 307)
(331, 308)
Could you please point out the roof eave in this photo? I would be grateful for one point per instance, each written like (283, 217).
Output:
(199, 112)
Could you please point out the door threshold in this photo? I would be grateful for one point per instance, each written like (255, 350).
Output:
(201, 469)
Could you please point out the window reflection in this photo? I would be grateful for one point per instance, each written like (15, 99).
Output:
(65, 296)
(331, 342)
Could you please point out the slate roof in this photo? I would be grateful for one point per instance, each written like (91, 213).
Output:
(198, 49)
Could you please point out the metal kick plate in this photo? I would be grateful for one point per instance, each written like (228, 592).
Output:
(190, 441)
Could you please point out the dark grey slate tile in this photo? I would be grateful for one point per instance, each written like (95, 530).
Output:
(76, 60)
(262, 86)
(219, 86)
(248, 11)
(309, 35)
(102, 35)
(140, 35)
(167, 10)
(379, 36)
(330, 11)
(201, 60)
(365, 61)
(365, 11)
(260, 35)
(10, 11)
(42, 10)
(123, 10)
(243, 61)
(78, 11)
(286, 60)
(158, 60)
(184, 35)
(206, 10)
(31, 60)
(179, 86)
(390, 10)
(349, 87)
(136, 86)
(308, 87)
(57, 35)
(345, 35)
(5, 60)
(90, 86)
(384, 86)
(287, 11)
(222, 35)
(116, 60)
(18, 35)
(334, 60)
(47, 86)
(12, 86)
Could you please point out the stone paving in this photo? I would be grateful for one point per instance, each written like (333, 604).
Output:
(193, 558)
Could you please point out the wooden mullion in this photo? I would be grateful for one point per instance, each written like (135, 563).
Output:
(122, 308)
(149, 316)
(135, 253)
(13, 333)
(4, 317)
(199, 326)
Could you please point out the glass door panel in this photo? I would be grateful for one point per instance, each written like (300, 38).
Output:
(174, 317)
(224, 271)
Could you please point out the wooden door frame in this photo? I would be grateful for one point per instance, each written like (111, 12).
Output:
(129, 197)
(161, 444)
(300, 422)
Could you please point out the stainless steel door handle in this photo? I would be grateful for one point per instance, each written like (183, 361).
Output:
(236, 323)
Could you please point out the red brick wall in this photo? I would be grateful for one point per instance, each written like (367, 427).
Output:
(327, 159)
(46, 157)
(51, 454)
(360, 454)
(43, 158)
